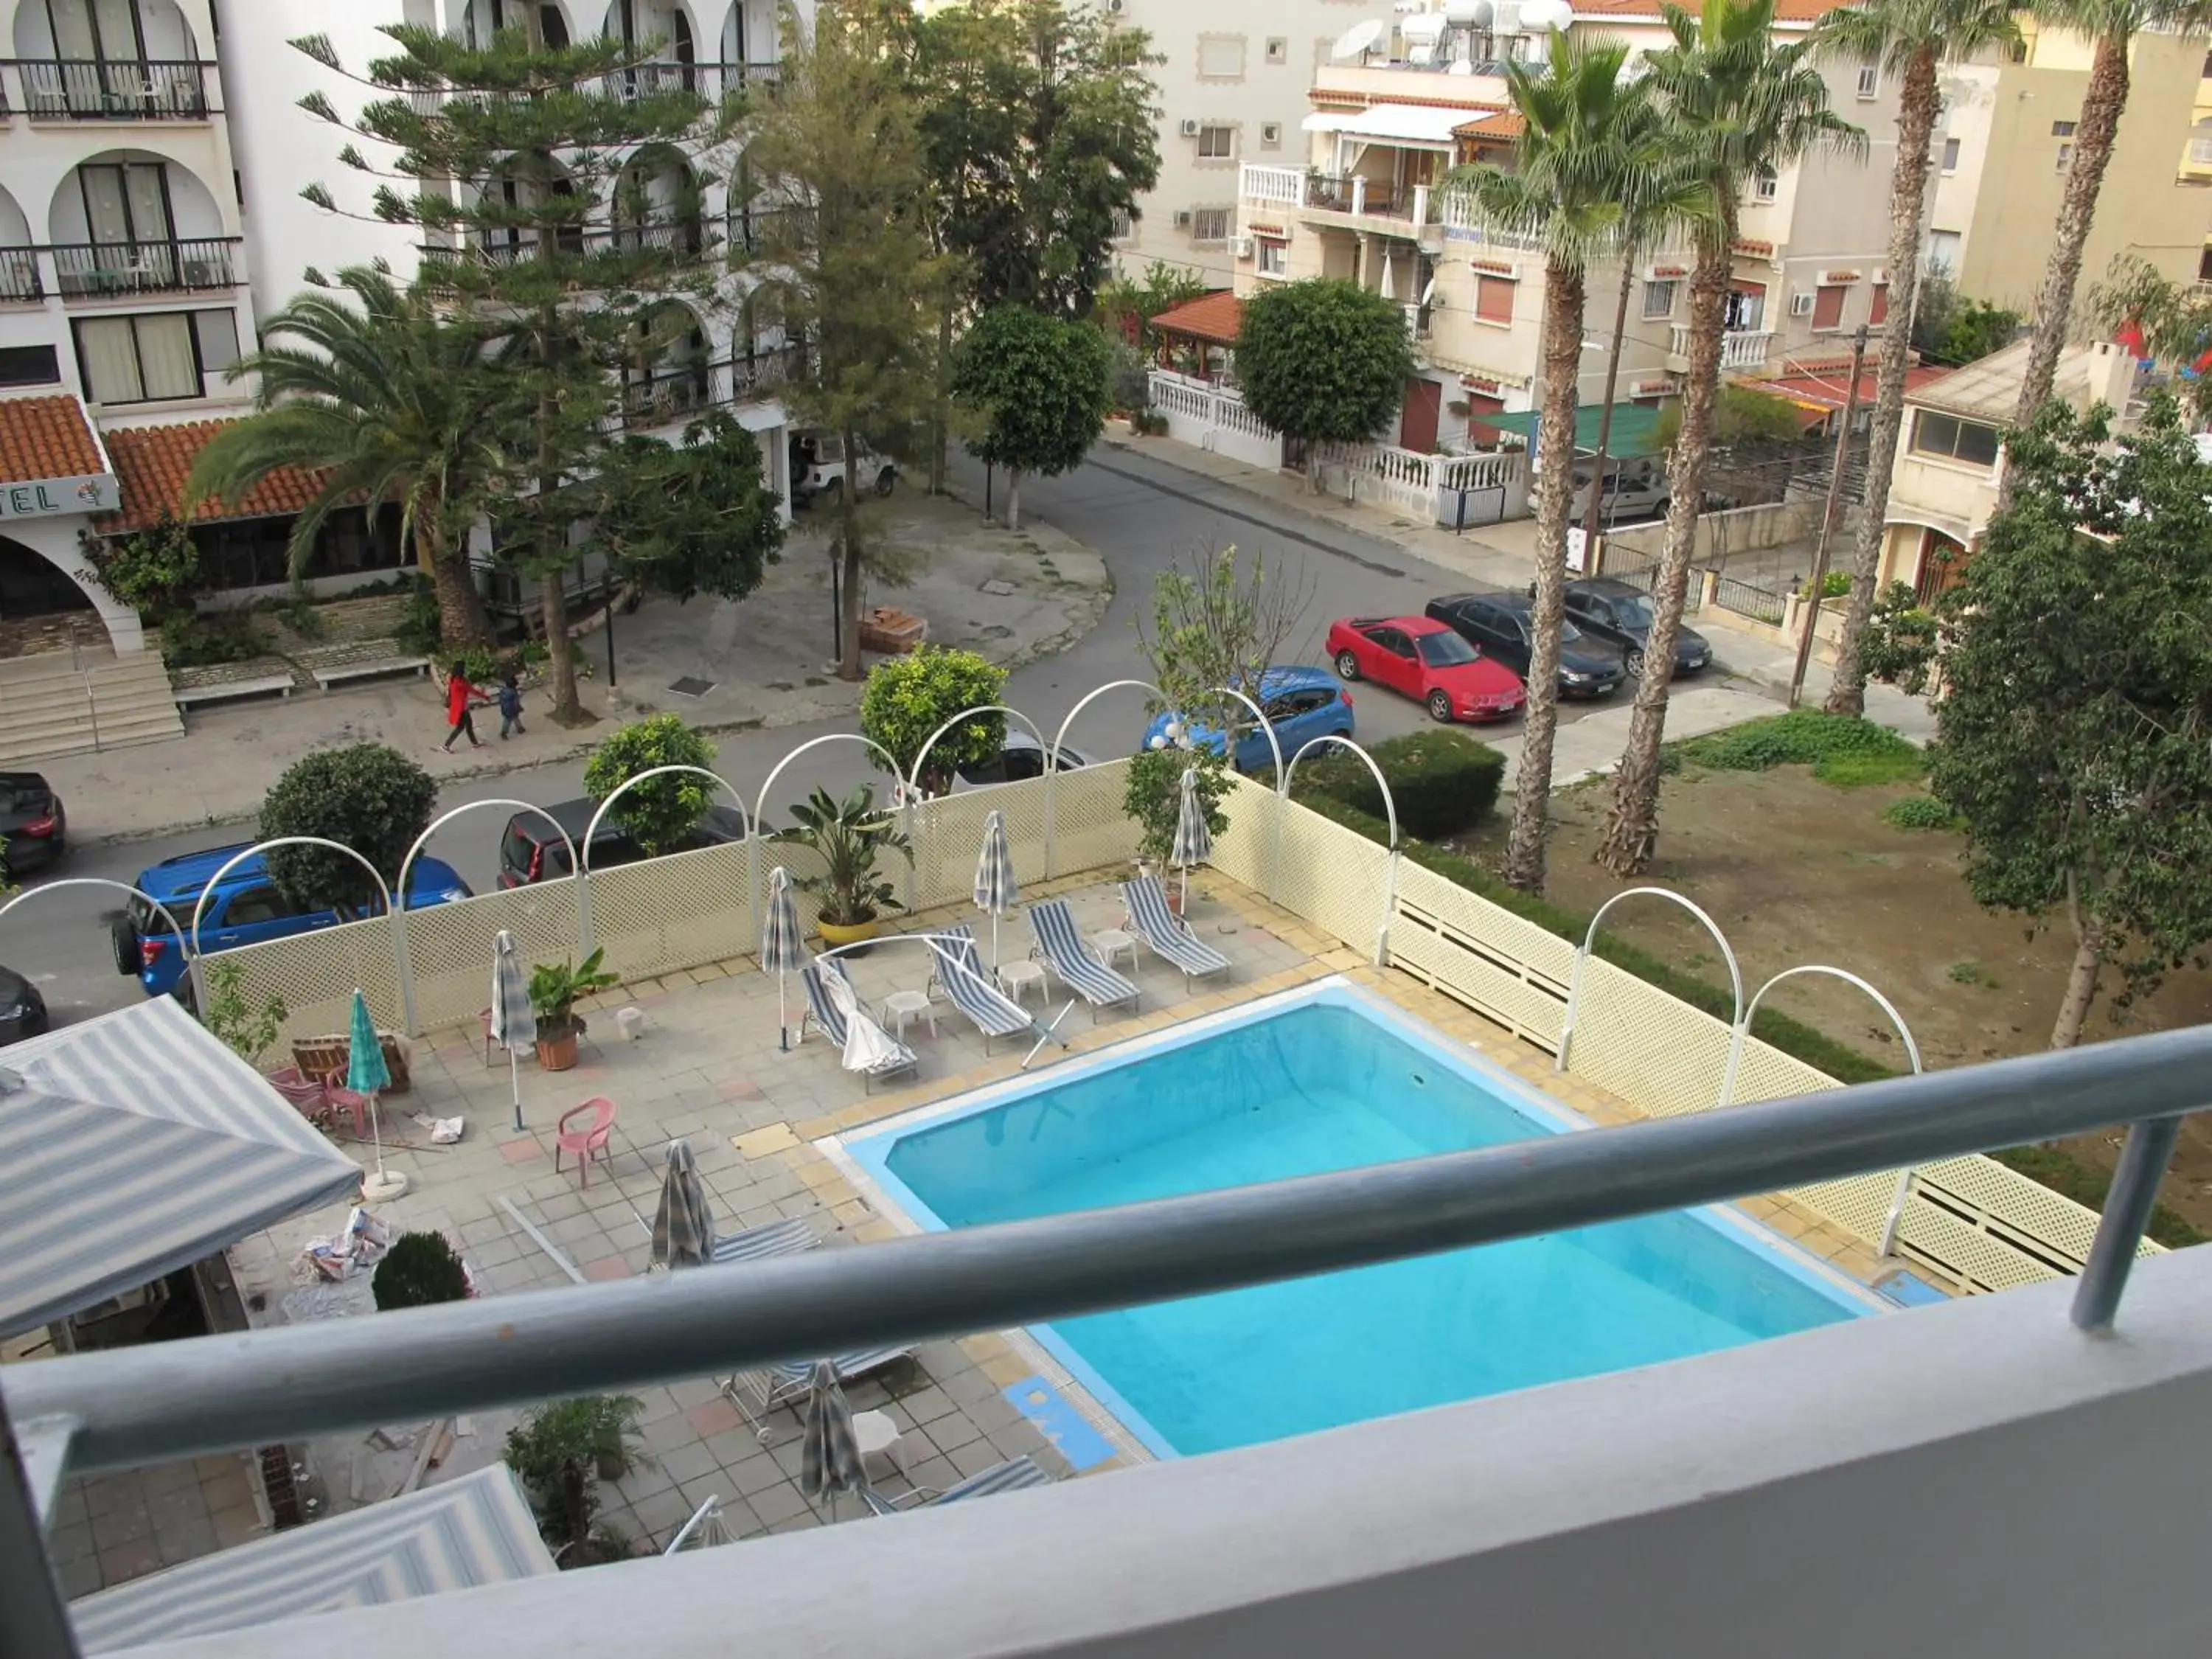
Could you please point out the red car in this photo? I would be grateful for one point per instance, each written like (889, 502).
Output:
(1427, 660)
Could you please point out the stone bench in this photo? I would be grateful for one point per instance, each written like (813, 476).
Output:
(327, 675)
(245, 686)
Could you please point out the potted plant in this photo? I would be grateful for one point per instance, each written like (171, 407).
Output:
(848, 835)
(557, 1452)
(553, 989)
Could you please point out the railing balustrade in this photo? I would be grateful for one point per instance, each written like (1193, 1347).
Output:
(113, 90)
(107, 269)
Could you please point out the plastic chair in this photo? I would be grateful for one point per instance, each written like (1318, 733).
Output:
(305, 1093)
(584, 1130)
(483, 1016)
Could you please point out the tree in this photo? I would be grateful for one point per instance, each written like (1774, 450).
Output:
(366, 796)
(2171, 323)
(2109, 26)
(1128, 305)
(1038, 386)
(1039, 135)
(1742, 103)
(2075, 728)
(155, 571)
(1743, 415)
(1323, 360)
(1587, 146)
(1911, 40)
(908, 699)
(660, 814)
(692, 518)
(419, 1270)
(1218, 623)
(387, 398)
(559, 188)
(849, 261)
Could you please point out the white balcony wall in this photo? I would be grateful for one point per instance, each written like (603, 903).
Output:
(749, 33)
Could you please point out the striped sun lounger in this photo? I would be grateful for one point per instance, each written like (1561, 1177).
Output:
(987, 1008)
(1145, 904)
(1060, 944)
(1012, 1476)
(758, 1393)
(822, 1014)
(792, 1237)
(959, 940)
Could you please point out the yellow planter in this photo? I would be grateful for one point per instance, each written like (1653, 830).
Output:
(835, 933)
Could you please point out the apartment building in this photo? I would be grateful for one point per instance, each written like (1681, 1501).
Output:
(152, 158)
(1418, 93)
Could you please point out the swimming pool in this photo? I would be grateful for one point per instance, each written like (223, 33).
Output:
(1330, 1078)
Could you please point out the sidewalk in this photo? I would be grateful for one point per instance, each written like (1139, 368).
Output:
(765, 661)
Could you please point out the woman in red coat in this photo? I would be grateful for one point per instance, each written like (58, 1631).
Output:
(460, 697)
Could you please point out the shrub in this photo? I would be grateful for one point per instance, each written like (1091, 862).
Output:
(1920, 813)
(422, 633)
(1444, 782)
(660, 814)
(418, 1270)
(1840, 750)
(189, 642)
(1900, 645)
(1154, 795)
(1150, 422)
(247, 1030)
(1128, 383)
(906, 698)
(366, 796)
(156, 572)
(1834, 584)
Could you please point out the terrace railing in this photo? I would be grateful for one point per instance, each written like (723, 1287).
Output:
(113, 90)
(106, 269)
(19, 275)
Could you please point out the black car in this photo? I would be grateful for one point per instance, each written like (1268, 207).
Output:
(1500, 626)
(1019, 759)
(532, 850)
(22, 1010)
(34, 829)
(1621, 612)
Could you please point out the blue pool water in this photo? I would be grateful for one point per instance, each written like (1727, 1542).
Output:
(1331, 1081)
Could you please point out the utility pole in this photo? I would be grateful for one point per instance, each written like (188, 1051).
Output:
(1812, 614)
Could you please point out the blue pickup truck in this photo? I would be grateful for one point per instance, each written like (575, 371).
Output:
(246, 909)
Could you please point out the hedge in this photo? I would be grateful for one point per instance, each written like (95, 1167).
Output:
(1444, 782)
(2044, 1164)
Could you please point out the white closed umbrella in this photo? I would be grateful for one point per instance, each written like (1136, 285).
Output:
(1194, 842)
(780, 950)
(513, 1020)
(995, 889)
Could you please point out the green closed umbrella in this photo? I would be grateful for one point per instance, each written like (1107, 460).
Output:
(367, 1074)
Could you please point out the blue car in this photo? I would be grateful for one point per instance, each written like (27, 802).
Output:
(246, 909)
(1300, 703)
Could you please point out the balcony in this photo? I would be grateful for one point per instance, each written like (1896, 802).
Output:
(1372, 205)
(19, 276)
(114, 89)
(1742, 349)
(106, 271)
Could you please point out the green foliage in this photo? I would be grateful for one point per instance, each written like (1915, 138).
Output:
(1742, 416)
(1834, 584)
(1323, 361)
(1128, 378)
(421, 632)
(1444, 782)
(1898, 646)
(660, 814)
(2078, 701)
(1971, 973)
(1921, 812)
(1035, 386)
(366, 796)
(1839, 748)
(1153, 795)
(155, 571)
(190, 642)
(556, 1452)
(418, 1271)
(248, 1031)
(1123, 300)
(851, 836)
(908, 698)
(1949, 328)
(2174, 319)
(694, 517)
(555, 987)
(1218, 622)
(2088, 1186)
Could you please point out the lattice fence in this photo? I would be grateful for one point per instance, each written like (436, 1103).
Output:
(449, 946)
(660, 915)
(1089, 830)
(315, 975)
(948, 839)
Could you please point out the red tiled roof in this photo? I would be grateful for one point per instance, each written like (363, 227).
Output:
(1219, 316)
(1834, 391)
(1499, 123)
(46, 438)
(153, 462)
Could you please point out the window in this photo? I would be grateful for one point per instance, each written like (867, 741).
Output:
(1766, 186)
(2200, 146)
(1828, 304)
(1274, 258)
(256, 905)
(1124, 225)
(1220, 58)
(2062, 129)
(1445, 650)
(1271, 135)
(2065, 157)
(1878, 313)
(1943, 250)
(1493, 299)
(1217, 143)
(1209, 224)
(1279, 49)
(1659, 299)
(171, 354)
(1950, 155)
(1952, 438)
(29, 365)
(1869, 80)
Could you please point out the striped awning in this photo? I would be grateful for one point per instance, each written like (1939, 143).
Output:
(134, 1144)
(475, 1530)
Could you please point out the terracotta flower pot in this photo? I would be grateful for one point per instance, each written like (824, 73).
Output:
(556, 1048)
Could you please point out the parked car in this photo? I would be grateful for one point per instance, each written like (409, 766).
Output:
(34, 829)
(1634, 489)
(532, 850)
(1020, 759)
(819, 467)
(246, 909)
(1429, 662)
(1301, 704)
(1501, 626)
(22, 1010)
(1616, 610)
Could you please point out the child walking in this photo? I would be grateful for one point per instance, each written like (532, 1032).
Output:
(510, 706)
(460, 696)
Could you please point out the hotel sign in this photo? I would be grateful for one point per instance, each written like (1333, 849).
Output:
(44, 498)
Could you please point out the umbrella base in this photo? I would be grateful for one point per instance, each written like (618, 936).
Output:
(381, 1186)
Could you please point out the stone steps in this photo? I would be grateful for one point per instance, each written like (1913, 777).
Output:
(64, 702)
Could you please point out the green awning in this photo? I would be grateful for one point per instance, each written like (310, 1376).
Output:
(1635, 427)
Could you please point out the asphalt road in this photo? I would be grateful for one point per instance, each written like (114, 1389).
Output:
(1141, 516)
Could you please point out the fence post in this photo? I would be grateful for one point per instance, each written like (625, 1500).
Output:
(1708, 584)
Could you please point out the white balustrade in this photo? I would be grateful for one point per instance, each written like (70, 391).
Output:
(1285, 187)
(1741, 348)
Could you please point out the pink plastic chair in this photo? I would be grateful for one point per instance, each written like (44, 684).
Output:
(304, 1092)
(584, 1130)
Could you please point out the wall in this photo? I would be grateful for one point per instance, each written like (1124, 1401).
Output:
(1208, 417)
(1741, 530)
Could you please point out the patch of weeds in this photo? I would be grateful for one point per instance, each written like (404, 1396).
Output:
(1842, 751)
(1972, 973)
(1921, 812)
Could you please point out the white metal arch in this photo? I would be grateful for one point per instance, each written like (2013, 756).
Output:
(1051, 752)
(1903, 1192)
(402, 971)
(759, 806)
(580, 858)
(177, 928)
(1060, 737)
(1389, 805)
(399, 897)
(1590, 939)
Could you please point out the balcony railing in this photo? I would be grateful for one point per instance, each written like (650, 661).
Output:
(1281, 186)
(737, 77)
(104, 269)
(1465, 222)
(1741, 348)
(685, 236)
(666, 394)
(114, 89)
(19, 275)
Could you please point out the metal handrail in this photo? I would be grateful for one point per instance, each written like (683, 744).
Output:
(127, 1407)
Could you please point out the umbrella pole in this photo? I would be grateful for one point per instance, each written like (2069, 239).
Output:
(994, 943)
(1183, 900)
(383, 1184)
(515, 1079)
(782, 1020)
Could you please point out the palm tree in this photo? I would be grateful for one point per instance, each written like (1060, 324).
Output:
(1910, 38)
(1741, 103)
(1590, 141)
(390, 402)
(2109, 25)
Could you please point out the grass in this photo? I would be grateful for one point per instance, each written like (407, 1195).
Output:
(1921, 812)
(1850, 754)
(1972, 973)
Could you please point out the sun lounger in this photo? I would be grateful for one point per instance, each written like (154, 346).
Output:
(865, 1047)
(1012, 1476)
(1060, 947)
(793, 1236)
(988, 1008)
(959, 940)
(756, 1393)
(821, 1014)
(1144, 905)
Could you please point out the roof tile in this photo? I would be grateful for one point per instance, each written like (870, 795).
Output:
(46, 438)
(1219, 316)
(153, 462)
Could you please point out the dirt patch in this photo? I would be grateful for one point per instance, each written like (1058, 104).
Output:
(1797, 870)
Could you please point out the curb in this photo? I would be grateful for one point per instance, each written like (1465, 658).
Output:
(1297, 508)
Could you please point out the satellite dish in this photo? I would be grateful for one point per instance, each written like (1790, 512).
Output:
(1469, 14)
(1359, 40)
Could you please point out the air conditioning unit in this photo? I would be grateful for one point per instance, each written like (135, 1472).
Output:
(1800, 305)
(1241, 246)
(1881, 279)
(1190, 128)
(1114, 8)
(1183, 219)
